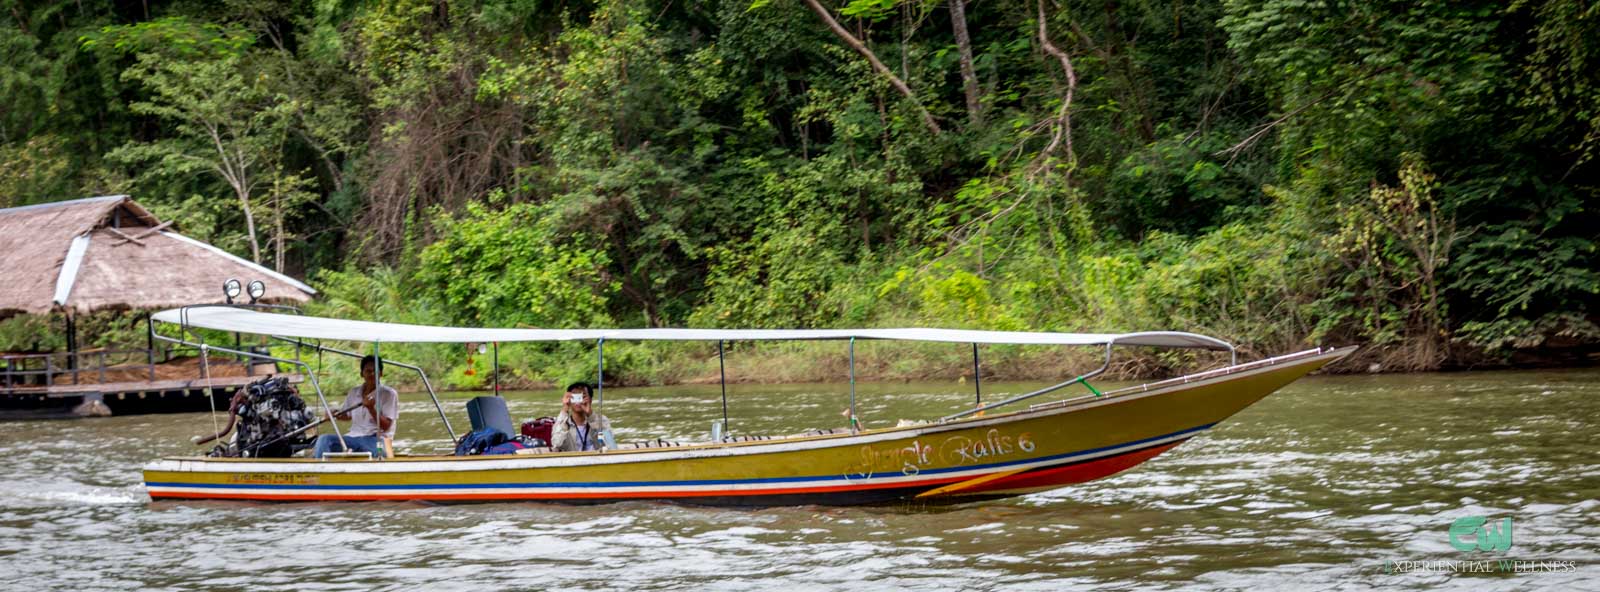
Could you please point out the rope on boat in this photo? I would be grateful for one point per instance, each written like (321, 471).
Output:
(205, 372)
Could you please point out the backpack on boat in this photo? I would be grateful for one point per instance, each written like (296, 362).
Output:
(507, 447)
(476, 442)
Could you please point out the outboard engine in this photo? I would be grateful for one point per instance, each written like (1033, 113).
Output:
(271, 409)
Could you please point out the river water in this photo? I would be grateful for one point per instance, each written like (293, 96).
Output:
(1332, 483)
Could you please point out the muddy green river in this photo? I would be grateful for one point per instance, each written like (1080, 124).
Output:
(1340, 483)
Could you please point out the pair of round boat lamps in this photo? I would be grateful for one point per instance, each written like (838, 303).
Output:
(231, 289)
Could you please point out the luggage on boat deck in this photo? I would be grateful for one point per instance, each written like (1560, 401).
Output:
(490, 412)
(539, 429)
(491, 441)
(479, 440)
(507, 447)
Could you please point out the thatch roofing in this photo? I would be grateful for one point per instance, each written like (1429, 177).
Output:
(75, 256)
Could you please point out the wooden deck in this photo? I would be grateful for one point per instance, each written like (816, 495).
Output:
(124, 398)
(73, 390)
(98, 383)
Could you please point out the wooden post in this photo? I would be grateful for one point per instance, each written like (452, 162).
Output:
(72, 347)
(150, 345)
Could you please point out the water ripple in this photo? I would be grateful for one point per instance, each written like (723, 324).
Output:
(1316, 488)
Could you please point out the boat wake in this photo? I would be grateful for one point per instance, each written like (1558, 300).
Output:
(26, 495)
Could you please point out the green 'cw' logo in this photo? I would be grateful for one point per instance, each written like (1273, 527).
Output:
(1476, 533)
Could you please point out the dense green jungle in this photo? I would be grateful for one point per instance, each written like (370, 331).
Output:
(1418, 177)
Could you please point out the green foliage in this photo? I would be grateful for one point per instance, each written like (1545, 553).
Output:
(224, 124)
(173, 37)
(1251, 168)
(504, 268)
(955, 298)
(31, 333)
(1529, 287)
(1395, 245)
(36, 169)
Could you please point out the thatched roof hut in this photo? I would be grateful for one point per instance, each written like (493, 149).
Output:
(109, 252)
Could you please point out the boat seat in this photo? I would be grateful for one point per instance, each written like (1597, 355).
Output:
(490, 412)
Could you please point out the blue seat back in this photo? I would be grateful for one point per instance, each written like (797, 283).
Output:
(491, 412)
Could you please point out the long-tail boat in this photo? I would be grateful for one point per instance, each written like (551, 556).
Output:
(991, 450)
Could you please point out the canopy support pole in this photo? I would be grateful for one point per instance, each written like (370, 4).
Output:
(600, 374)
(853, 423)
(722, 374)
(977, 379)
(378, 402)
(496, 346)
(1049, 389)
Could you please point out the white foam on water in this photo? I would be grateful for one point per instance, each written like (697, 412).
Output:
(22, 494)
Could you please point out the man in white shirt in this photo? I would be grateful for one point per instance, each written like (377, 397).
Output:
(370, 401)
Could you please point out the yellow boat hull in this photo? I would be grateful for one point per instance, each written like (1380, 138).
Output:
(1040, 448)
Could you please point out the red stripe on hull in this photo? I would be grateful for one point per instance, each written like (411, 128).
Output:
(1071, 474)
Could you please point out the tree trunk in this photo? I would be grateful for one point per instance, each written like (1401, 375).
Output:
(249, 223)
(969, 76)
(277, 239)
(1063, 127)
(861, 48)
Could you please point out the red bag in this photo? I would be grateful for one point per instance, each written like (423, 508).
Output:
(539, 429)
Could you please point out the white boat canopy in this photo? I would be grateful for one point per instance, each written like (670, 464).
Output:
(241, 320)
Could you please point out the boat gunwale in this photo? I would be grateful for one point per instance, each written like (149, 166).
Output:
(203, 464)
